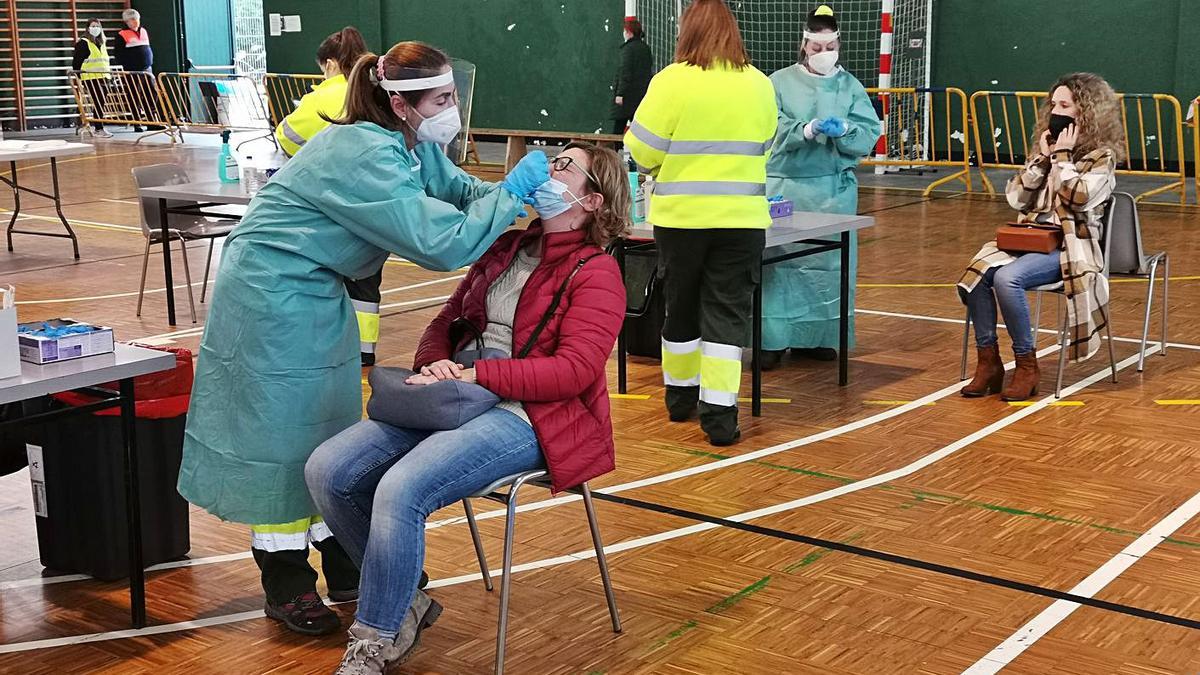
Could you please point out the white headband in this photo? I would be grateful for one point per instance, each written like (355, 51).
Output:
(822, 37)
(418, 84)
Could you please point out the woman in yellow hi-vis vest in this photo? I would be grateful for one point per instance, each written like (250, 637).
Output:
(336, 56)
(91, 61)
(704, 131)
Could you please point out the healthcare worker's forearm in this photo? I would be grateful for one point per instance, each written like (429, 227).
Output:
(460, 240)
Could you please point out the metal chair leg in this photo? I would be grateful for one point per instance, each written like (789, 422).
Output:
(600, 559)
(966, 341)
(207, 268)
(187, 276)
(142, 287)
(1037, 317)
(1112, 354)
(1146, 318)
(1165, 306)
(483, 566)
(1064, 344)
(510, 522)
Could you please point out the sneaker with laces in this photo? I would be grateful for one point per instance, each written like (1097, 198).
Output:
(369, 654)
(305, 614)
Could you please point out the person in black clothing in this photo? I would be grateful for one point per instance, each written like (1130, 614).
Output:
(637, 67)
(134, 55)
(90, 60)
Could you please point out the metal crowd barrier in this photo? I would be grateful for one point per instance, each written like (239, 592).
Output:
(217, 102)
(926, 127)
(122, 97)
(283, 93)
(1003, 123)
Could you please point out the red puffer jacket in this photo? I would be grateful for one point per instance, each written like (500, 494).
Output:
(562, 382)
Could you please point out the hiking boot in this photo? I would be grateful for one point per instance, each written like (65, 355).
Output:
(367, 653)
(305, 614)
(422, 614)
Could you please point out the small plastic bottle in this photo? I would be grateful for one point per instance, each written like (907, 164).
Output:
(227, 166)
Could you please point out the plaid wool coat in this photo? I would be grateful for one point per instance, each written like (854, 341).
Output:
(1070, 193)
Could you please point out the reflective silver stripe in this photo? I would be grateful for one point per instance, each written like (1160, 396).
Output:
(719, 351)
(290, 134)
(366, 347)
(363, 307)
(677, 382)
(319, 531)
(689, 347)
(272, 542)
(746, 148)
(721, 398)
(642, 169)
(711, 187)
(649, 137)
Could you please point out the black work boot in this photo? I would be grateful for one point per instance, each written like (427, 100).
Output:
(720, 423)
(681, 402)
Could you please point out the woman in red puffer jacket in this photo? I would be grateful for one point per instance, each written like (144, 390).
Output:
(376, 484)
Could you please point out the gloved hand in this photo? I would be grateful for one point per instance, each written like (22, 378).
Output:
(530, 173)
(833, 127)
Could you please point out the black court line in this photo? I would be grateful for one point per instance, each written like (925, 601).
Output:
(905, 561)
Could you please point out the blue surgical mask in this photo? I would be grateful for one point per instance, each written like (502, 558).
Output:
(548, 200)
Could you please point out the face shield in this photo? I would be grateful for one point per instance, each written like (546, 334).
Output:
(824, 39)
(462, 76)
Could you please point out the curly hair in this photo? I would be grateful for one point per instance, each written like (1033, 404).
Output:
(1098, 118)
(612, 220)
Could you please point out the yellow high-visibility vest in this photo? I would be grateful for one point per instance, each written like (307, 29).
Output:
(328, 98)
(705, 136)
(96, 65)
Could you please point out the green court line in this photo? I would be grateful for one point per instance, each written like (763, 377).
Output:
(673, 635)
(919, 496)
(739, 596)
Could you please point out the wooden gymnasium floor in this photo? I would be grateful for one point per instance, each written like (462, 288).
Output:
(1059, 496)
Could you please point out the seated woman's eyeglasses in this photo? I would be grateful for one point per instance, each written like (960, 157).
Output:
(562, 163)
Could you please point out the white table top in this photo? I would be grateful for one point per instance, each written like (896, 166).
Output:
(205, 191)
(52, 378)
(38, 151)
(796, 227)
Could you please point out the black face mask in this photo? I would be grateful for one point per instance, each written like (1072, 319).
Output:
(1059, 124)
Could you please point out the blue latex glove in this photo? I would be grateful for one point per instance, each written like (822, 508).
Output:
(527, 176)
(833, 127)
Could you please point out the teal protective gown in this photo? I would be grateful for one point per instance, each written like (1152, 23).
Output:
(801, 297)
(278, 371)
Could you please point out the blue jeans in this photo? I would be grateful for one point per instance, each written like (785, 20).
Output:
(375, 485)
(1007, 285)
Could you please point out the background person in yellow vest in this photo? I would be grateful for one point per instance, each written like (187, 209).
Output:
(826, 125)
(91, 58)
(704, 131)
(335, 57)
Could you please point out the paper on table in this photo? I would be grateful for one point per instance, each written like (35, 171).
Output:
(12, 145)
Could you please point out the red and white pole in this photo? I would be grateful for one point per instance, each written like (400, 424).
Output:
(630, 9)
(885, 74)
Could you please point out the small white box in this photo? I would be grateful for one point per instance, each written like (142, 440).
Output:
(10, 353)
(41, 350)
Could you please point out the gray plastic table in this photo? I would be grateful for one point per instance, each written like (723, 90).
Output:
(801, 227)
(206, 194)
(126, 363)
(36, 150)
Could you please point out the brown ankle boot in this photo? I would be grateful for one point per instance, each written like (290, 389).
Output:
(1024, 383)
(989, 373)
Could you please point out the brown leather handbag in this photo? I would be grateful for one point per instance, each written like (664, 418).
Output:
(1029, 238)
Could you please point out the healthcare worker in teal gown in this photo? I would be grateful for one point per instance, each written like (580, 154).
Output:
(826, 125)
(278, 371)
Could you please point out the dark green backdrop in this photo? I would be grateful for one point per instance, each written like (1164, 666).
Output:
(560, 55)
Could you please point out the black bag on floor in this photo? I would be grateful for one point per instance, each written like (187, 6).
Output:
(12, 441)
(643, 334)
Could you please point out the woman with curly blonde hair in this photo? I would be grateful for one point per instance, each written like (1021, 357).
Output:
(1065, 184)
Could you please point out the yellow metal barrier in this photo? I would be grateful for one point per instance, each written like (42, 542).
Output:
(1194, 123)
(283, 93)
(217, 102)
(122, 98)
(1010, 117)
(927, 127)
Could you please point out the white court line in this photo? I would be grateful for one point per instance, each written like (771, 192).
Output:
(120, 201)
(111, 296)
(1051, 331)
(64, 578)
(422, 284)
(77, 221)
(1056, 613)
(638, 542)
(422, 301)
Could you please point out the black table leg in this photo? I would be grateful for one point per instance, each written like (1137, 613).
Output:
(756, 351)
(16, 203)
(58, 205)
(133, 508)
(166, 249)
(622, 368)
(844, 319)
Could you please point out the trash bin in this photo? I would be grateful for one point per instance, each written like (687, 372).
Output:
(80, 503)
(643, 334)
